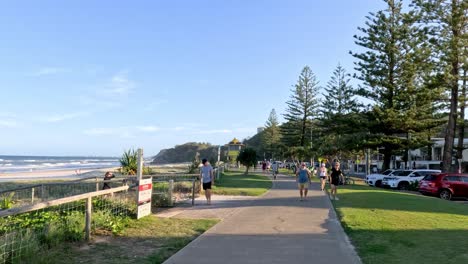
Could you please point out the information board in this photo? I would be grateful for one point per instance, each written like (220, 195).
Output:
(145, 191)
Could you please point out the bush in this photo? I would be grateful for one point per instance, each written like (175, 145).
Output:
(129, 162)
(413, 186)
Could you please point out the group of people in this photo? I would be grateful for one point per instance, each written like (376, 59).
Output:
(304, 179)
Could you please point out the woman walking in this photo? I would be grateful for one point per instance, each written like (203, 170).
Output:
(323, 176)
(335, 177)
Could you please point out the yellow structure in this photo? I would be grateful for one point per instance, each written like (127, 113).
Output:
(234, 147)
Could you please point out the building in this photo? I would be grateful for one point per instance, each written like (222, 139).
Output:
(233, 149)
(423, 158)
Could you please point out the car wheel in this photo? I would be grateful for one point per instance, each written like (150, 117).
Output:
(378, 184)
(403, 186)
(445, 194)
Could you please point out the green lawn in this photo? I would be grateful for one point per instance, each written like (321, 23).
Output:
(393, 227)
(148, 240)
(236, 183)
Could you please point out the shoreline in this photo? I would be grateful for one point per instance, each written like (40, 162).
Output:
(53, 174)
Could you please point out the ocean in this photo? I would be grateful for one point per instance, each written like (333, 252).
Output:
(46, 163)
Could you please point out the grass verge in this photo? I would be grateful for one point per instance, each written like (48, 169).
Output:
(394, 227)
(235, 183)
(148, 240)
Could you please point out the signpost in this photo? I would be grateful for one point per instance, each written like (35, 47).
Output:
(145, 189)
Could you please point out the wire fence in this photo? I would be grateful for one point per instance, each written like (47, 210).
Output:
(168, 190)
(38, 217)
(31, 194)
(29, 230)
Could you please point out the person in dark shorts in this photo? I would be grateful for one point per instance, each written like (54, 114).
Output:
(323, 175)
(108, 176)
(207, 178)
(335, 177)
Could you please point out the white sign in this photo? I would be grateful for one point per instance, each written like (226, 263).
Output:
(145, 191)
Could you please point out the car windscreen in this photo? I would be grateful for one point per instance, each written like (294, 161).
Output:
(430, 177)
(401, 173)
(387, 172)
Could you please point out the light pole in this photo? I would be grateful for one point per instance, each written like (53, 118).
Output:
(219, 160)
(459, 165)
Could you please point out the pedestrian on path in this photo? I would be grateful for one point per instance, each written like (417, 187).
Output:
(274, 169)
(323, 176)
(335, 177)
(303, 180)
(207, 178)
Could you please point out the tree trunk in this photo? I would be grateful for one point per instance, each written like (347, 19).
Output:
(247, 170)
(454, 77)
(387, 158)
(461, 129)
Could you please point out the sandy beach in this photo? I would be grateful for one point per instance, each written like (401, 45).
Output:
(52, 175)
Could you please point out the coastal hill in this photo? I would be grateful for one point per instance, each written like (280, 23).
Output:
(186, 152)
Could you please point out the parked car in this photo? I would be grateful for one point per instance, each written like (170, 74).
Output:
(401, 180)
(445, 185)
(376, 179)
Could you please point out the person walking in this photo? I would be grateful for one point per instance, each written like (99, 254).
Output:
(274, 169)
(323, 174)
(207, 178)
(264, 165)
(303, 180)
(335, 177)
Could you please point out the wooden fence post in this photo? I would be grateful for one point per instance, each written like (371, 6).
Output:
(171, 188)
(43, 192)
(89, 209)
(97, 184)
(32, 195)
(193, 192)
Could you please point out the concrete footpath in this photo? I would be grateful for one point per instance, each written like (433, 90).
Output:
(276, 228)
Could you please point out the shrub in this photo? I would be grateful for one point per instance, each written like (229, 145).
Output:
(7, 201)
(248, 158)
(413, 186)
(129, 162)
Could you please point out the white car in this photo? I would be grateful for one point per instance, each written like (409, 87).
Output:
(402, 179)
(376, 179)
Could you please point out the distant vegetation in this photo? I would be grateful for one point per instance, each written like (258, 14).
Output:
(186, 152)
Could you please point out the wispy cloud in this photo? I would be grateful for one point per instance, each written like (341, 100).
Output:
(7, 114)
(8, 123)
(119, 85)
(154, 104)
(49, 71)
(148, 128)
(214, 131)
(123, 132)
(61, 117)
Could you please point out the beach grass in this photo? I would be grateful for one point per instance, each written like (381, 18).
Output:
(396, 227)
(237, 183)
(148, 240)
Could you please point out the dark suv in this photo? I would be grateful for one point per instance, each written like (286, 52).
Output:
(445, 185)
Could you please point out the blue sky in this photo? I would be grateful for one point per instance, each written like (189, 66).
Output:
(98, 77)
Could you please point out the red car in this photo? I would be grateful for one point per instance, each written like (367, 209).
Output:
(445, 185)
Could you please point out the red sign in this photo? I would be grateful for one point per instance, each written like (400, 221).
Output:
(145, 187)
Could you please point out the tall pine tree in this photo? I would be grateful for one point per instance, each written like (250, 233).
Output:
(339, 94)
(301, 109)
(446, 21)
(339, 124)
(271, 137)
(392, 69)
